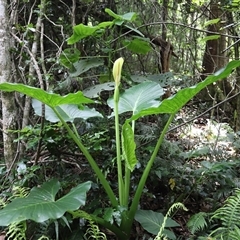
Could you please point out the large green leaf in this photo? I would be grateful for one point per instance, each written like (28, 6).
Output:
(50, 99)
(176, 102)
(40, 205)
(68, 112)
(164, 79)
(152, 221)
(82, 31)
(128, 146)
(86, 64)
(139, 97)
(137, 45)
(94, 91)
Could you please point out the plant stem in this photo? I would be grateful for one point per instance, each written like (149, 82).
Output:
(91, 161)
(118, 149)
(121, 235)
(128, 223)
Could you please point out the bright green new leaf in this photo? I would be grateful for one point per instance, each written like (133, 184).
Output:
(131, 16)
(139, 97)
(212, 21)
(176, 102)
(81, 31)
(211, 37)
(112, 14)
(86, 64)
(105, 24)
(50, 99)
(152, 221)
(137, 46)
(41, 205)
(128, 146)
(68, 112)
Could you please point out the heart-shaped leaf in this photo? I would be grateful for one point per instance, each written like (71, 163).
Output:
(139, 97)
(94, 91)
(50, 99)
(84, 65)
(152, 222)
(68, 112)
(40, 205)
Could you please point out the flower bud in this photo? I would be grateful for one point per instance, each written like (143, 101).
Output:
(117, 69)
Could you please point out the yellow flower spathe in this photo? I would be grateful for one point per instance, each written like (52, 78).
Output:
(117, 69)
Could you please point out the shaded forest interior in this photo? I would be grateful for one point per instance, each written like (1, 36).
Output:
(119, 119)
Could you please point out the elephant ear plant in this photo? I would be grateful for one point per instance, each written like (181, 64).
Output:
(141, 101)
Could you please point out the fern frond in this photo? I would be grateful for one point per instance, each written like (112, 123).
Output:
(2, 203)
(175, 205)
(20, 192)
(197, 222)
(229, 214)
(235, 233)
(43, 238)
(93, 231)
(17, 231)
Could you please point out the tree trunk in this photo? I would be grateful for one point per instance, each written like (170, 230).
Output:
(9, 110)
(236, 46)
(214, 56)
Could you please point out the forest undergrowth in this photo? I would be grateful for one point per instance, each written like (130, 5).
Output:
(198, 164)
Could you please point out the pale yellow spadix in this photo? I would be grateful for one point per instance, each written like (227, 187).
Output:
(117, 69)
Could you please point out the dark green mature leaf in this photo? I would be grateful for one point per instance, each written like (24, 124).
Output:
(50, 99)
(94, 91)
(128, 146)
(152, 221)
(176, 102)
(86, 64)
(40, 205)
(139, 97)
(68, 112)
(69, 56)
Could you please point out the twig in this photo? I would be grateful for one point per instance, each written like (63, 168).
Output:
(211, 108)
